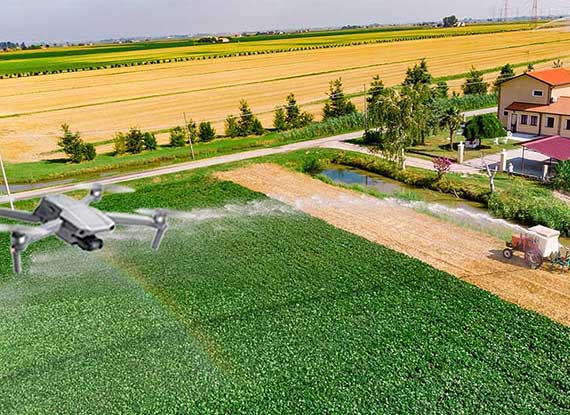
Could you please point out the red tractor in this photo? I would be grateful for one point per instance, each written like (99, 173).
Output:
(529, 245)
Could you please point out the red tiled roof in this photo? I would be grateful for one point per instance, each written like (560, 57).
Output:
(555, 147)
(554, 77)
(561, 107)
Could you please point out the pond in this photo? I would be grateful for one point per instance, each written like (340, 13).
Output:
(353, 176)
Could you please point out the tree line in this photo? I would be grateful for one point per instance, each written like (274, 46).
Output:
(394, 118)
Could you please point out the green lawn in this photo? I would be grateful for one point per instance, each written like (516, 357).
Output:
(272, 312)
(438, 146)
(92, 57)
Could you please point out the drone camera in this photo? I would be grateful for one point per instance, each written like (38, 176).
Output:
(90, 243)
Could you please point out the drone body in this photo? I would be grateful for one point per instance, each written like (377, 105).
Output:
(74, 222)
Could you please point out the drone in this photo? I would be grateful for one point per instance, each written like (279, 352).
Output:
(75, 222)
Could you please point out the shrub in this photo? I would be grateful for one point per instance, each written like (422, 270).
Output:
(442, 166)
(178, 137)
(119, 144)
(562, 178)
(484, 126)
(206, 132)
(150, 142)
(89, 152)
(537, 207)
(312, 165)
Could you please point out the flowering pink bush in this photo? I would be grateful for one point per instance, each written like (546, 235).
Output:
(442, 166)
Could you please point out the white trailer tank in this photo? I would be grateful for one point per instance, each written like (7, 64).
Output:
(548, 240)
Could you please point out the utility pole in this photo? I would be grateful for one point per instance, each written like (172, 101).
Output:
(189, 137)
(535, 10)
(365, 109)
(506, 10)
(6, 183)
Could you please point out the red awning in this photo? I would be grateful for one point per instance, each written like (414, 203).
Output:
(555, 147)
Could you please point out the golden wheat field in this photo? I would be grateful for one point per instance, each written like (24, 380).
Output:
(100, 103)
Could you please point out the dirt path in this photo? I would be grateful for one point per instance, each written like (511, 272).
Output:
(471, 256)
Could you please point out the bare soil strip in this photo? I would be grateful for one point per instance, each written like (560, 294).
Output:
(471, 256)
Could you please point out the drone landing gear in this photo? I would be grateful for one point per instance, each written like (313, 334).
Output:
(19, 245)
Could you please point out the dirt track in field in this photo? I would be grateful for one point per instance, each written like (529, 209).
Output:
(471, 256)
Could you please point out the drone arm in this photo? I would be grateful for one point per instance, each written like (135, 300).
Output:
(95, 195)
(22, 240)
(157, 222)
(19, 215)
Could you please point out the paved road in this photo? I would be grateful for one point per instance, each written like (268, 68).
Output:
(329, 142)
(214, 161)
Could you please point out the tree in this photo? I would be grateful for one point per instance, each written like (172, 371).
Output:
(451, 119)
(337, 104)
(279, 119)
(206, 131)
(150, 142)
(507, 72)
(393, 126)
(295, 118)
(484, 126)
(442, 90)
(418, 75)
(192, 131)
(375, 93)
(293, 112)
(450, 21)
(74, 147)
(178, 137)
(134, 141)
(231, 126)
(248, 123)
(474, 84)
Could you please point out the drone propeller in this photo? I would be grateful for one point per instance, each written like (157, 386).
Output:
(96, 191)
(153, 213)
(107, 188)
(24, 230)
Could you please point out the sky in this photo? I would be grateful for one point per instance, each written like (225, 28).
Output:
(84, 20)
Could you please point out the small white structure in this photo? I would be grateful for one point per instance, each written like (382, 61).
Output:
(547, 240)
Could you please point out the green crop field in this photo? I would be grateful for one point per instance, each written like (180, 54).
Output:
(261, 309)
(93, 57)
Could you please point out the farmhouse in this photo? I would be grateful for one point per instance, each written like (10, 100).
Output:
(537, 103)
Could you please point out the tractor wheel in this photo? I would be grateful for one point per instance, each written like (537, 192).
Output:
(508, 253)
(534, 258)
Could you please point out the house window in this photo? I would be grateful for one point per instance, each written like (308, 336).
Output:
(549, 122)
(537, 93)
(524, 119)
(534, 120)
(568, 124)
(506, 113)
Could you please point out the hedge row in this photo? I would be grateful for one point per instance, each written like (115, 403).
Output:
(244, 53)
(520, 202)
